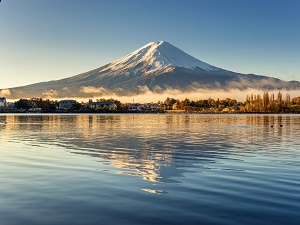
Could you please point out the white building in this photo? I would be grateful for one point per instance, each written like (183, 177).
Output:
(102, 105)
(2, 101)
(66, 104)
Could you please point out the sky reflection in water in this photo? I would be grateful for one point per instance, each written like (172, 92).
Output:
(220, 169)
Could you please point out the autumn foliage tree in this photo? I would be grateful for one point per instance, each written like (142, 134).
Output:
(266, 103)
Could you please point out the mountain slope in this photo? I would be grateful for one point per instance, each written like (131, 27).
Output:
(157, 56)
(156, 66)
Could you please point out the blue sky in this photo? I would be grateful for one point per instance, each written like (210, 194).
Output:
(44, 40)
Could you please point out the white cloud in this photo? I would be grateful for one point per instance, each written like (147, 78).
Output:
(92, 90)
(5, 93)
(49, 93)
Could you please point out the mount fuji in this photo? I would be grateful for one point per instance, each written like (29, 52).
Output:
(157, 66)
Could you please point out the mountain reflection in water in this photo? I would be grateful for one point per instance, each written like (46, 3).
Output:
(149, 169)
(158, 148)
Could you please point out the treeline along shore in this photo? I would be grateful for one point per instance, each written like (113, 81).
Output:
(254, 103)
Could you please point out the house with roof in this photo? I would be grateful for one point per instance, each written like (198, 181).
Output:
(66, 104)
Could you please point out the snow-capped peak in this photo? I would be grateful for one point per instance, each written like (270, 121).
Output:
(158, 55)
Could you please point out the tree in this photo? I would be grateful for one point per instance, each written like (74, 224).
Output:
(265, 102)
(217, 103)
(279, 102)
(76, 106)
(169, 102)
(23, 104)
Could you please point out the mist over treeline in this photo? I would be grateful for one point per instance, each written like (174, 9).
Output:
(276, 103)
(145, 95)
(260, 103)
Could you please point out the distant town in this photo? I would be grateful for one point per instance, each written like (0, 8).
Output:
(266, 103)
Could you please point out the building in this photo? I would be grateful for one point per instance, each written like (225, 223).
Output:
(2, 101)
(102, 105)
(66, 104)
(135, 107)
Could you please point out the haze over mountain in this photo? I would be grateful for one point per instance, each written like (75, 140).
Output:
(157, 66)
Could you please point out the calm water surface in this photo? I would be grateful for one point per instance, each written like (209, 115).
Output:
(149, 169)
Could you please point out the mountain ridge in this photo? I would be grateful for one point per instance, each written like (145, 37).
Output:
(157, 66)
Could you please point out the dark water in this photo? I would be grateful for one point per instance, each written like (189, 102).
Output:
(149, 169)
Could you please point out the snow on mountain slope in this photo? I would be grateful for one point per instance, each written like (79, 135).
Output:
(157, 66)
(158, 56)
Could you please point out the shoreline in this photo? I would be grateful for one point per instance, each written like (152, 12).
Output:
(169, 113)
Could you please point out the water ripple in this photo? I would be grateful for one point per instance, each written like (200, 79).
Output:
(178, 169)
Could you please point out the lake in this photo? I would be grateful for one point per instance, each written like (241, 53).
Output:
(149, 169)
